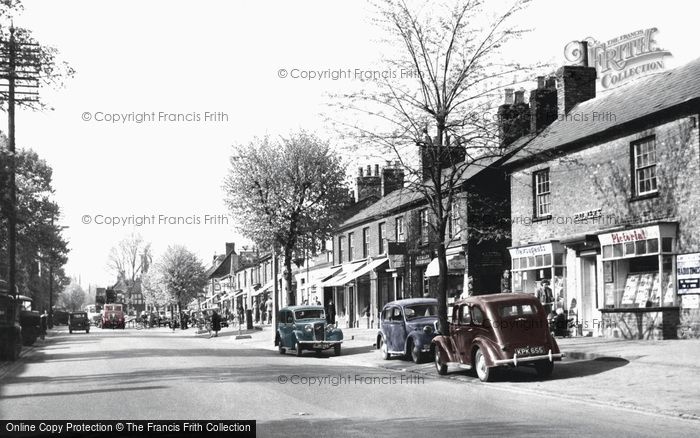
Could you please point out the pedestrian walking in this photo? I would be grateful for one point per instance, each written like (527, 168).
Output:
(215, 324)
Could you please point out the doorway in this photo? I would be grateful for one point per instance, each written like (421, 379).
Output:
(589, 286)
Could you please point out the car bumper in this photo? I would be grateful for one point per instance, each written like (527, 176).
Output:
(519, 360)
(323, 345)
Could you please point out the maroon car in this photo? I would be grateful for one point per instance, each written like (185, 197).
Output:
(498, 330)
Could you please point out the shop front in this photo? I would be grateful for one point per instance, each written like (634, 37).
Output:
(456, 265)
(540, 269)
(640, 300)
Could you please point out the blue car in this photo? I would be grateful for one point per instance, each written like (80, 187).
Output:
(407, 328)
(305, 328)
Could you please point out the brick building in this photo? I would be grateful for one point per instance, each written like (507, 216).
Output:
(605, 201)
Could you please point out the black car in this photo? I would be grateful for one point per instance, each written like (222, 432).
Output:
(10, 329)
(78, 321)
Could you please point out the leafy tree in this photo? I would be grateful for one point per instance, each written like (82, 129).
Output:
(73, 297)
(128, 260)
(444, 111)
(179, 274)
(286, 194)
(40, 244)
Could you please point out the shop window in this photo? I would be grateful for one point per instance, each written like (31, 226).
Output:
(644, 163)
(558, 259)
(542, 193)
(548, 259)
(652, 246)
(617, 250)
(640, 247)
(629, 248)
(607, 251)
(539, 261)
(341, 240)
(516, 263)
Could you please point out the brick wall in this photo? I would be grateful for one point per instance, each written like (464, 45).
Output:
(598, 177)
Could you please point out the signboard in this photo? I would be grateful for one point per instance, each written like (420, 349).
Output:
(423, 259)
(633, 235)
(690, 301)
(646, 281)
(589, 214)
(688, 273)
(534, 250)
(456, 263)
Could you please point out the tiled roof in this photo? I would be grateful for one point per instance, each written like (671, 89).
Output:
(614, 108)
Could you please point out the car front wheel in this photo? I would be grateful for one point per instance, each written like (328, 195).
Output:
(484, 373)
(439, 366)
(384, 349)
(336, 349)
(298, 347)
(416, 355)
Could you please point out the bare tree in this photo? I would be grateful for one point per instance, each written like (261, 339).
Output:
(444, 110)
(129, 257)
(287, 194)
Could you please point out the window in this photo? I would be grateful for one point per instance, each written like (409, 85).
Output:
(400, 237)
(453, 227)
(365, 242)
(423, 225)
(381, 234)
(542, 194)
(644, 164)
(340, 248)
(351, 246)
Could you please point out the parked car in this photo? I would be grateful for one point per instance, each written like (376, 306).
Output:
(10, 328)
(305, 328)
(60, 316)
(78, 321)
(498, 330)
(29, 319)
(407, 328)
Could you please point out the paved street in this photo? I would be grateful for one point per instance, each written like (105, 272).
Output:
(158, 374)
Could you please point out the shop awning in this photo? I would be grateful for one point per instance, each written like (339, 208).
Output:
(317, 276)
(354, 272)
(433, 269)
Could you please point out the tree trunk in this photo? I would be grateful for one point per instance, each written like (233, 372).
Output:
(291, 298)
(442, 289)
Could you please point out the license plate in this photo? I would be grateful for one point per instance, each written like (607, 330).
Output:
(321, 346)
(529, 351)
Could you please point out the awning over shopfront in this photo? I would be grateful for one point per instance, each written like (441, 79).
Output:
(455, 262)
(353, 271)
(317, 276)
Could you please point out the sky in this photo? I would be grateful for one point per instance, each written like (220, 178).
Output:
(224, 70)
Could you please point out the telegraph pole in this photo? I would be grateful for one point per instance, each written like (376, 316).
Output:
(19, 81)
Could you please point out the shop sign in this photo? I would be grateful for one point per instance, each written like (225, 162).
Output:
(688, 273)
(533, 250)
(590, 214)
(457, 263)
(423, 259)
(634, 235)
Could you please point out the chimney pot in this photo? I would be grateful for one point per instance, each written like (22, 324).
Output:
(509, 96)
(359, 171)
(520, 96)
(376, 170)
(540, 82)
(369, 170)
(584, 53)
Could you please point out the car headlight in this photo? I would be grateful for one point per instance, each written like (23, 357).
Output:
(309, 328)
(428, 329)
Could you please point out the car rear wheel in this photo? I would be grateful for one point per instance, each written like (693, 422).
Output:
(439, 366)
(384, 349)
(544, 369)
(484, 373)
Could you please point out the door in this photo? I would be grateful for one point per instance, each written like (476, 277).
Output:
(463, 334)
(395, 330)
(588, 291)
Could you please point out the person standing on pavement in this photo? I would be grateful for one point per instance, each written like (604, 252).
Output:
(268, 306)
(215, 324)
(505, 282)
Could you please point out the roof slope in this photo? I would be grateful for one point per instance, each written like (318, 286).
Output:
(619, 106)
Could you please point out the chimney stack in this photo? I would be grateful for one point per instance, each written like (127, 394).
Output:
(368, 185)
(392, 178)
(575, 84)
(513, 117)
(543, 104)
(230, 247)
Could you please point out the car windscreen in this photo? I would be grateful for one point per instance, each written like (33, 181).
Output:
(309, 314)
(78, 316)
(517, 310)
(420, 311)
